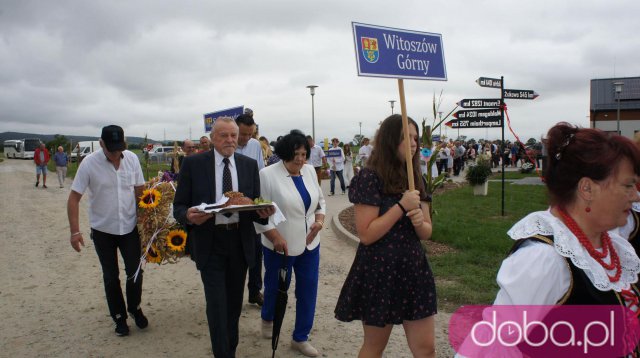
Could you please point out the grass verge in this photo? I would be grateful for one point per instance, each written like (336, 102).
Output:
(512, 175)
(473, 225)
(151, 170)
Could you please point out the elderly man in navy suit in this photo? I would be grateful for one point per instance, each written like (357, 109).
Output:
(223, 246)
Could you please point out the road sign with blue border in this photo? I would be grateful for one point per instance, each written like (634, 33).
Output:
(397, 53)
(210, 118)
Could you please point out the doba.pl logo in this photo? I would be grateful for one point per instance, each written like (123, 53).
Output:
(544, 331)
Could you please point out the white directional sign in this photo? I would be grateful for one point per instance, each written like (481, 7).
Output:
(489, 82)
(478, 113)
(520, 94)
(480, 103)
(475, 123)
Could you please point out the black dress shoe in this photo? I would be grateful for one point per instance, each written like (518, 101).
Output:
(122, 329)
(141, 321)
(257, 299)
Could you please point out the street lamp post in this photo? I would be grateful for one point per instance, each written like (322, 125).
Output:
(360, 129)
(312, 89)
(440, 114)
(392, 102)
(617, 86)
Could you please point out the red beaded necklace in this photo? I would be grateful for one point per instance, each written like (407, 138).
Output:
(607, 246)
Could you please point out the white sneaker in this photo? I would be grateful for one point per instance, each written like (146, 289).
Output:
(267, 329)
(305, 348)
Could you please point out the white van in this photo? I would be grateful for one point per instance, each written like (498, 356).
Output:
(160, 154)
(86, 148)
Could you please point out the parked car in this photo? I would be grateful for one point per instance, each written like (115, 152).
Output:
(160, 154)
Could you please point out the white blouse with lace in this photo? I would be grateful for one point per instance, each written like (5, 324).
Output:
(626, 230)
(537, 273)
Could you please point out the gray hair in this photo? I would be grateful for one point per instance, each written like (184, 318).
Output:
(225, 119)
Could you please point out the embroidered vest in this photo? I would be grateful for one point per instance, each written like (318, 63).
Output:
(581, 291)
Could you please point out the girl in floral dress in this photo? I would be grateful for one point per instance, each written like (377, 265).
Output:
(390, 281)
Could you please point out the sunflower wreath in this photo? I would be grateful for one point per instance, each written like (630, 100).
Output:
(162, 238)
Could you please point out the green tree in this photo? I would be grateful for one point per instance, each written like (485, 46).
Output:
(58, 140)
(357, 140)
(133, 146)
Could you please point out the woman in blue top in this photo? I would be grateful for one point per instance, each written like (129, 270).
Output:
(61, 160)
(293, 186)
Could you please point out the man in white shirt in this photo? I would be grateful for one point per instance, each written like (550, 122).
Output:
(365, 151)
(458, 158)
(336, 166)
(249, 146)
(114, 179)
(316, 157)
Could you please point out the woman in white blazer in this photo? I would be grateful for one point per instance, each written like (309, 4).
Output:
(293, 186)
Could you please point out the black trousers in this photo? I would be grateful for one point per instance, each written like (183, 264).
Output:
(223, 279)
(254, 283)
(458, 163)
(107, 246)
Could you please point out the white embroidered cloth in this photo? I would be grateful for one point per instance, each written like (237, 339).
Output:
(567, 245)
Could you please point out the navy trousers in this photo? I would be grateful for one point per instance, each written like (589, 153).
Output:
(305, 267)
(332, 183)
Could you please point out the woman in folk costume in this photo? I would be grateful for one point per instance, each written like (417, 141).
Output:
(571, 253)
(591, 178)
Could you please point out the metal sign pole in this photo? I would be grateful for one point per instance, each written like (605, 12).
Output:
(502, 151)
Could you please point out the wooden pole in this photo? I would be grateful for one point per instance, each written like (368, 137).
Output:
(405, 131)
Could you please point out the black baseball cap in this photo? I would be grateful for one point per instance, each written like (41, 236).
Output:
(113, 138)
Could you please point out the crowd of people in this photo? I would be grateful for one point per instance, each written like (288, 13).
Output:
(592, 180)
(452, 156)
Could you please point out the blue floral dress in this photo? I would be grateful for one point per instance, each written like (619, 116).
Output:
(390, 281)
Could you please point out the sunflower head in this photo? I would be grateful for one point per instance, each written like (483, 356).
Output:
(153, 256)
(150, 199)
(176, 240)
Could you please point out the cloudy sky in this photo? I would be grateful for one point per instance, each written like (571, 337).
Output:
(155, 67)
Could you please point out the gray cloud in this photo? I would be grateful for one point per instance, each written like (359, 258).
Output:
(156, 67)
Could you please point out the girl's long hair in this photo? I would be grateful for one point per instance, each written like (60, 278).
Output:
(384, 158)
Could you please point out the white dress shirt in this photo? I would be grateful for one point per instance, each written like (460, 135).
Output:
(221, 219)
(336, 163)
(253, 150)
(316, 155)
(364, 153)
(112, 199)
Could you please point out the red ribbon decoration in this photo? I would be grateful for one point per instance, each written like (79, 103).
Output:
(504, 107)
